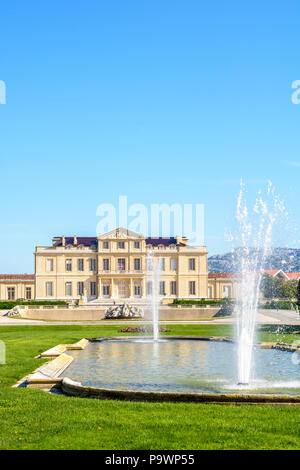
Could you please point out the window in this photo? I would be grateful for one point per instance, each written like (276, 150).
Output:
(106, 290)
(92, 289)
(162, 288)
(92, 264)
(173, 288)
(80, 264)
(11, 293)
(121, 245)
(80, 288)
(136, 244)
(149, 288)
(28, 293)
(68, 288)
(173, 264)
(50, 264)
(192, 288)
(106, 264)
(149, 264)
(49, 289)
(105, 245)
(68, 265)
(162, 264)
(137, 289)
(121, 264)
(137, 264)
(192, 264)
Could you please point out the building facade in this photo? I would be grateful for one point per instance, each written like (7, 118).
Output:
(221, 285)
(17, 286)
(116, 266)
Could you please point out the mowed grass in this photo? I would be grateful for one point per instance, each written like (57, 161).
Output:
(33, 419)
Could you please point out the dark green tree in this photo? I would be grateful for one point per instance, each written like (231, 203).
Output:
(298, 293)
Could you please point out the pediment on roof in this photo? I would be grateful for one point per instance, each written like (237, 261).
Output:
(122, 233)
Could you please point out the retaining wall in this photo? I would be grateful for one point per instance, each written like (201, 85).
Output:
(81, 314)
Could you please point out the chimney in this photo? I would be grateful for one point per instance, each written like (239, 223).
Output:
(75, 240)
(182, 240)
(63, 240)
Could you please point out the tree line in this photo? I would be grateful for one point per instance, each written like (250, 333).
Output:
(279, 288)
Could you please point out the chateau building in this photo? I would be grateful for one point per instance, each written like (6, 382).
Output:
(116, 266)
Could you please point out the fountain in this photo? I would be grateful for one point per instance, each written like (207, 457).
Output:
(201, 369)
(155, 283)
(255, 234)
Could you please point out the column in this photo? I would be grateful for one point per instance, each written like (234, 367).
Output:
(144, 293)
(112, 287)
(131, 293)
(100, 293)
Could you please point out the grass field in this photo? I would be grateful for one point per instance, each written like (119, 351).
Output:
(33, 419)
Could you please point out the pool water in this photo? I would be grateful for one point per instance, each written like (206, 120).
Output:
(188, 366)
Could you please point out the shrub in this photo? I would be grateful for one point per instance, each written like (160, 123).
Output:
(9, 304)
(279, 305)
(202, 301)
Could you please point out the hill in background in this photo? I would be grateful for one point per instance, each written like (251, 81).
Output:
(287, 259)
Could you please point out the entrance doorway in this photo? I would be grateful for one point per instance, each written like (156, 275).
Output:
(122, 289)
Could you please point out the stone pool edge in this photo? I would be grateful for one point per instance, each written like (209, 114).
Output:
(48, 377)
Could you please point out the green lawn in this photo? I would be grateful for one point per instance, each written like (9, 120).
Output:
(33, 419)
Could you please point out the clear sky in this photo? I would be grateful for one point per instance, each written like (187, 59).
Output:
(160, 100)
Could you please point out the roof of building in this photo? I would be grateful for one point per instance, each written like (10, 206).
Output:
(165, 241)
(29, 277)
(221, 275)
(88, 241)
(293, 276)
(272, 272)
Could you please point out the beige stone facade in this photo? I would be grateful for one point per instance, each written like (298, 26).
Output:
(17, 286)
(114, 266)
(221, 285)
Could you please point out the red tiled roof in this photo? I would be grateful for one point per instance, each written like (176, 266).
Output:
(25, 277)
(272, 271)
(292, 276)
(221, 275)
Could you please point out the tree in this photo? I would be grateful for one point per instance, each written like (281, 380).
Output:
(298, 293)
(267, 286)
(278, 288)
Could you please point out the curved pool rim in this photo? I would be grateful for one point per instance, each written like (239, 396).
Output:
(73, 388)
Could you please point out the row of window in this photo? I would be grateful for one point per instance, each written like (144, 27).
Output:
(173, 288)
(106, 288)
(11, 293)
(69, 264)
(69, 289)
(121, 245)
(121, 264)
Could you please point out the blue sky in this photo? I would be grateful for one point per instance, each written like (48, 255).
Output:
(163, 101)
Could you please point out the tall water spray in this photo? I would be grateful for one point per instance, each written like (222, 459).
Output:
(255, 236)
(154, 272)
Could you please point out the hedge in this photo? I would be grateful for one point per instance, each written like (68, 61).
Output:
(279, 305)
(201, 302)
(9, 304)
